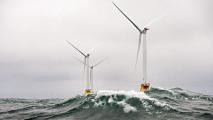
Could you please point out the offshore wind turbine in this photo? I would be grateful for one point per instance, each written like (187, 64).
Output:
(91, 72)
(86, 65)
(144, 86)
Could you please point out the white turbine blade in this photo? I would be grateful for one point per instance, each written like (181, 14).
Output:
(90, 78)
(99, 62)
(84, 65)
(82, 62)
(127, 17)
(154, 20)
(76, 48)
(138, 50)
(91, 50)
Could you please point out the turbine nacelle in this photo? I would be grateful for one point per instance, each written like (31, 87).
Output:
(87, 55)
(144, 30)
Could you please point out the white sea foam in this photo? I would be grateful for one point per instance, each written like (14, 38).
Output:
(129, 94)
(126, 107)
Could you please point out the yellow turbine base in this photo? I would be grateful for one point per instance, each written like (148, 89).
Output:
(88, 91)
(144, 87)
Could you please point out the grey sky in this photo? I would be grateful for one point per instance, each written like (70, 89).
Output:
(36, 62)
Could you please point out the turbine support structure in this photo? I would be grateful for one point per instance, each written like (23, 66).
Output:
(88, 89)
(144, 58)
(144, 86)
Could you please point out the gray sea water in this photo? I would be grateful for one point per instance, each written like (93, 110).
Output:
(156, 104)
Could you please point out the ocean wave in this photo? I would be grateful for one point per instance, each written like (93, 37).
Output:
(157, 103)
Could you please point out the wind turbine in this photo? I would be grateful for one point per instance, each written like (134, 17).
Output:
(145, 85)
(86, 65)
(91, 71)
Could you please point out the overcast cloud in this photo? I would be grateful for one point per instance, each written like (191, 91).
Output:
(36, 62)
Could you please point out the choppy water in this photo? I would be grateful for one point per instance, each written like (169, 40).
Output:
(156, 104)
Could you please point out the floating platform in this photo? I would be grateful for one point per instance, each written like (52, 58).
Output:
(144, 87)
(88, 91)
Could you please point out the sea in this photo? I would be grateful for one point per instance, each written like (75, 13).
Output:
(155, 104)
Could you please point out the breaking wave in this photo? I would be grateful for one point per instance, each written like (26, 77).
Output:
(157, 103)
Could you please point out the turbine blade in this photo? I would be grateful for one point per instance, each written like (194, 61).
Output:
(84, 66)
(99, 62)
(154, 20)
(76, 48)
(138, 50)
(127, 18)
(94, 48)
(82, 62)
(91, 50)
(90, 79)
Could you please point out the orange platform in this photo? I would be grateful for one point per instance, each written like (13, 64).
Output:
(144, 87)
(88, 91)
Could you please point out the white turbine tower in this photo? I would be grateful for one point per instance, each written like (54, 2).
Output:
(143, 32)
(86, 65)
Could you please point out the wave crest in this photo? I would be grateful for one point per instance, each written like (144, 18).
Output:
(126, 101)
